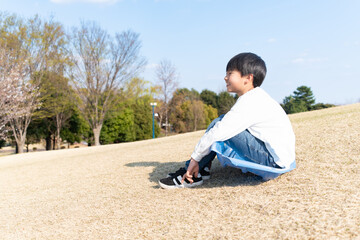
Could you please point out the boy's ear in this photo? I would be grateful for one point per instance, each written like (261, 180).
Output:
(250, 78)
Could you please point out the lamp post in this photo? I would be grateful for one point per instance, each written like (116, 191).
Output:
(153, 104)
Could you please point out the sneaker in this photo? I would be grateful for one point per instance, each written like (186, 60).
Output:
(205, 173)
(175, 182)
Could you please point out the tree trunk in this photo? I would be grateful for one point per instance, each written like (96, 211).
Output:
(97, 131)
(58, 139)
(48, 143)
(195, 124)
(21, 145)
(54, 142)
(166, 122)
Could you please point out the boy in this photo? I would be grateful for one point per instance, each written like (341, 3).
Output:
(256, 126)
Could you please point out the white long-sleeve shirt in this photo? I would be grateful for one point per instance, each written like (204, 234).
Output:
(265, 119)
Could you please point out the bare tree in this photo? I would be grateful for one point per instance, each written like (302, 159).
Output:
(167, 78)
(102, 65)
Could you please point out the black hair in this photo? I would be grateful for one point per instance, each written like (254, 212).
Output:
(248, 63)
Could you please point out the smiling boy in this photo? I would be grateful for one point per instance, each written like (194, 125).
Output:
(256, 126)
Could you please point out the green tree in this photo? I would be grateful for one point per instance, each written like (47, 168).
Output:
(209, 98)
(290, 105)
(304, 95)
(210, 114)
(319, 106)
(58, 101)
(225, 102)
(119, 127)
(75, 128)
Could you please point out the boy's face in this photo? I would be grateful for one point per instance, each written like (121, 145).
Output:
(238, 84)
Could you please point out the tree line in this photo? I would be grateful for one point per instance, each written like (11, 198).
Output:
(82, 85)
(68, 86)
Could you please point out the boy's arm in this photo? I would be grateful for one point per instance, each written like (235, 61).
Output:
(238, 119)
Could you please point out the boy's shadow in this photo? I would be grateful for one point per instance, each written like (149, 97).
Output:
(220, 176)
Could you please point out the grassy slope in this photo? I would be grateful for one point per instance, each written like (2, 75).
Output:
(111, 192)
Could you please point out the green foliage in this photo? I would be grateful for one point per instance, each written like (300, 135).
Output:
(118, 127)
(210, 114)
(290, 105)
(209, 98)
(302, 100)
(225, 102)
(76, 129)
(35, 132)
(131, 121)
(318, 106)
(2, 143)
(304, 95)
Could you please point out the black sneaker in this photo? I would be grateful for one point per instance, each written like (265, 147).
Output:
(175, 182)
(181, 172)
(205, 173)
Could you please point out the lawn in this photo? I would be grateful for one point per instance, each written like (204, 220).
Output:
(111, 192)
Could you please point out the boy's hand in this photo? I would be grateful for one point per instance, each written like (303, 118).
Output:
(193, 169)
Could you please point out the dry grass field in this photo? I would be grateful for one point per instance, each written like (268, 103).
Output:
(111, 192)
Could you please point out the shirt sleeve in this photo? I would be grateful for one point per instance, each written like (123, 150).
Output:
(238, 119)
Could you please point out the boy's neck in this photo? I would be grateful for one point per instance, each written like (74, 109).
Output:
(244, 91)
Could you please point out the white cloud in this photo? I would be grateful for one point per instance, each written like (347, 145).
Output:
(85, 1)
(300, 60)
(271, 40)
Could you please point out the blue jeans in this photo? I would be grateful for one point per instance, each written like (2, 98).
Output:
(246, 145)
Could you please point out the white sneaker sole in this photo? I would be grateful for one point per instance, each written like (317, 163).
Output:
(206, 177)
(184, 185)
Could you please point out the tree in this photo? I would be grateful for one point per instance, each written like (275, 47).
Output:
(210, 114)
(198, 113)
(102, 65)
(209, 98)
(304, 95)
(58, 101)
(32, 46)
(225, 102)
(188, 113)
(290, 105)
(119, 127)
(318, 106)
(302, 100)
(167, 78)
(22, 58)
(75, 129)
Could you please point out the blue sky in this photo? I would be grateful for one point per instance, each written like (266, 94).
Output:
(314, 43)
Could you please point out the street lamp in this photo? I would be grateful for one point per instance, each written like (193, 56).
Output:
(153, 104)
